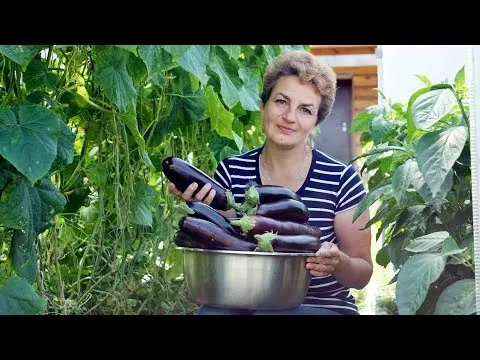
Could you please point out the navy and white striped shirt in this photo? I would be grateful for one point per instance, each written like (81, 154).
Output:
(331, 187)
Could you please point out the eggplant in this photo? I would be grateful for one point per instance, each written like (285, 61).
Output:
(212, 236)
(290, 243)
(286, 209)
(181, 239)
(273, 193)
(182, 174)
(253, 225)
(206, 212)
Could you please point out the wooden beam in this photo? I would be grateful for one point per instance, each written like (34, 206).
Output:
(356, 70)
(323, 50)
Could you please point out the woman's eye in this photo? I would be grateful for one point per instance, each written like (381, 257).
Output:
(280, 101)
(307, 111)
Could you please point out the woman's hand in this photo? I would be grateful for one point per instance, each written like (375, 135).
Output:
(206, 194)
(325, 260)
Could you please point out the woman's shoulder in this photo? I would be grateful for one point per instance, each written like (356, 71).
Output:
(248, 156)
(325, 159)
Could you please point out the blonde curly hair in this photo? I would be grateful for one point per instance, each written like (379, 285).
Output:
(307, 68)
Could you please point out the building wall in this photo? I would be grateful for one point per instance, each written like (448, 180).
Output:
(398, 65)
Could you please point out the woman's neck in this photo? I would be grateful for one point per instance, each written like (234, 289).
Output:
(285, 166)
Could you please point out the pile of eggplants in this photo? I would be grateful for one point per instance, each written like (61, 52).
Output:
(271, 218)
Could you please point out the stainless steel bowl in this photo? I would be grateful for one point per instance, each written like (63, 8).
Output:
(246, 280)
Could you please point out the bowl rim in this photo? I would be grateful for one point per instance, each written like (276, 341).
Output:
(252, 253)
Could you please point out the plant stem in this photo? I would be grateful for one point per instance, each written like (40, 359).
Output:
(57, 269)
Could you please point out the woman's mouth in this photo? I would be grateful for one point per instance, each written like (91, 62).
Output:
(285, 130)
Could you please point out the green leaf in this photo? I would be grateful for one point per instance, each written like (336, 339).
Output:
(450, 247)
(130, 119)
(361, 122)
(264, 241)
(284, 48)
(249, 92)
(157, 60)
(137, 69)
(37, 76)
(379, 127)
(17, 297)
(269, 53)
(232, 50)
(370, 198)
(145, 203)
(220, 118)
(28, 139)
(238, 141)
(424, 79)
(21, 54)
(401, 180)
(176, 50)
(23, 254)
(229, 80)
(436, 153)
(195, 60)
(76, 103)
(382, 258)
(131, 48)
(430, 107)
(460, 78)
(111, 73)
(428, 243)
(65, 148)
(457, 299)
(379, 149)
(414, 280)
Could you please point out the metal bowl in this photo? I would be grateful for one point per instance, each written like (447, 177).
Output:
(245, 279)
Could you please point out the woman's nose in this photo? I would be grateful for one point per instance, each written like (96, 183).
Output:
(289, 114)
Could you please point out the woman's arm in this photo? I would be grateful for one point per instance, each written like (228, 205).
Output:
(354, 268)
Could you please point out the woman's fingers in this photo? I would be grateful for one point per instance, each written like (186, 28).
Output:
(203, 192)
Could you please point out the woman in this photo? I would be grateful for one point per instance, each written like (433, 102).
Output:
(298, 93)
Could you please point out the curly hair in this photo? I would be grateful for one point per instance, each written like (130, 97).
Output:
(303, 65)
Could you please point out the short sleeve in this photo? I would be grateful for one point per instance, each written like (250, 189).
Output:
(222, 175)
(351, 190)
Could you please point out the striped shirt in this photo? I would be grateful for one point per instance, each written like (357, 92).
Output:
(330, 188)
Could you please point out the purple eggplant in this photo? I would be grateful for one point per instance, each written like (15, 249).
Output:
(286, 209)
(253, 225)
(273, 193)
(182, 239)
(213, 236)
(290, 243)
(182, 174)
(206, 212)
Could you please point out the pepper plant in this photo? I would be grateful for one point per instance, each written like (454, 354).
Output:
(418, 162)
(86, 219)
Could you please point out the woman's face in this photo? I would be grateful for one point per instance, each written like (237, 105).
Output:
(290, 113)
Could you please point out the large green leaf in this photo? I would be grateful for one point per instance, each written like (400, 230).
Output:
(21, 54)
(229, 80)
(131, 48)
(249, 92)
(37, 76)
(29, 209)
(361, 122)
(65, 148)
(436, 153)
(457, 299)
(17, 297)
(232, 50)
(450, 247)
(384, 191)
(111, 73)
(221, 119)
(379, 127)
(28, 139)
(145, 203)
(401, 180)
(422, 188)
(431, 106)
(414, 279)
(195, 60)
(428, 243)
(157, 60)
(176, 50)
(184, 111)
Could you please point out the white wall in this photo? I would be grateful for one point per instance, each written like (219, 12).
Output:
(398, 65)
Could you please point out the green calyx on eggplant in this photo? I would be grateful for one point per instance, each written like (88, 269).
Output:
(182, 174)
